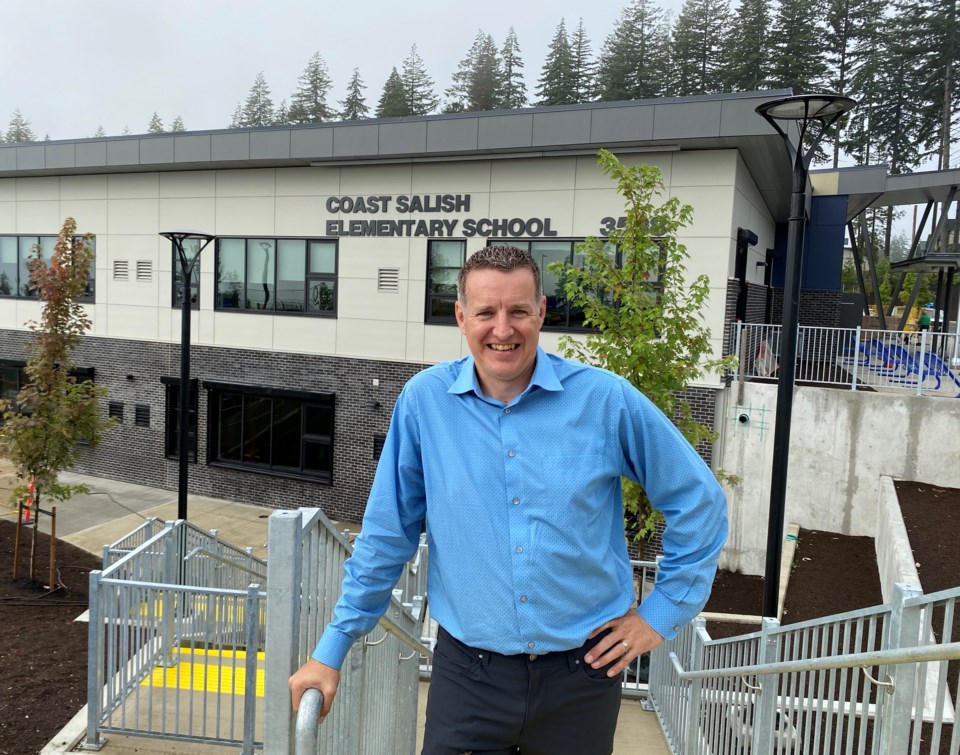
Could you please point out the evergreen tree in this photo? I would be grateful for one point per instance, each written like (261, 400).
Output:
(258, 108)
(418, 86)
(557, 85)
(355, 105)
(156, 125)
(867, 56)
(477, 82)
(634, 63)
(797, 42)
(309, 103)
(126, 131)
(584, 67)
(282, 115)
(19, 129)
(697, 50)
(177, 125)
(98, 134)
(746, 64)
(841, 38)
(393, 101)
(513, 91)
(237, 120)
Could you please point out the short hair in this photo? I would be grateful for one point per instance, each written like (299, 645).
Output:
(502, 258)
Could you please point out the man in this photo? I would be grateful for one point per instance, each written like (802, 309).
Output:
(513, 458)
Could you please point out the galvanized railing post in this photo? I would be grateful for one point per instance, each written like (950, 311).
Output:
(282, 650)
(691, 736)
(94, 665)
(251, 632)
(895, 711)
(856, 359)
(765, 713)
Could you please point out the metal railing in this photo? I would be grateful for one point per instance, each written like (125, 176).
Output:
(176, 639)
(807, 688)
(376, 706)
(128, 543)
(923, 363)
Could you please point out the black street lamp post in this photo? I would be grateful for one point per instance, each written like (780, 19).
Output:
(805, 110)
(187, 265)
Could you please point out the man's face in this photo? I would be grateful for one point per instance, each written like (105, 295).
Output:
(502, 320)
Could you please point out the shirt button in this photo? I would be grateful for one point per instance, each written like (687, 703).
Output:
(511, 454)
(530, 645)
(507, 410)
(523, 598)
(519, 549)
(516, 501)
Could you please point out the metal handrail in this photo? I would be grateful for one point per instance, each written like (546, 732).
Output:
(922, 654)
(200, 551)
(308, 722)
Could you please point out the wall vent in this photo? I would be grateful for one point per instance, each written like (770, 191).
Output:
(121, 270)
(141, 415)
(144, 271)
(115, 409)
(388, 279)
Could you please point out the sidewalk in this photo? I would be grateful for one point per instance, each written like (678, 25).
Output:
(113, 509)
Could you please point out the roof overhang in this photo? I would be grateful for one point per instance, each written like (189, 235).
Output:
(871, 186)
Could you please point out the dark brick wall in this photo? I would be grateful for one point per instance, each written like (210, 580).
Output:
(817, 307)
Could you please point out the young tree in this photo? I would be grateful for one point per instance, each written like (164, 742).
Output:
(393, 101)
(634, 63)
(355, 104)
(19, 129)
(746, 64)
(54, 412)
(584, 67)
(647, 320)
(477, 82)
(513, 92)
(258, 108)
(418, 86)
(697, 49)
(156, 125)
(177, 125)
(557, 85)
(309, 103)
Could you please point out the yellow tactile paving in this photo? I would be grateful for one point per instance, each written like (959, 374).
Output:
(227, 678)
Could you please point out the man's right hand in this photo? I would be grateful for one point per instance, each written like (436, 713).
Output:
(314, 675)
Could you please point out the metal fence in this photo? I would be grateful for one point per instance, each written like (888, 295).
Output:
(176, 637)
(878, 680)
(376, 706)
(923, 362)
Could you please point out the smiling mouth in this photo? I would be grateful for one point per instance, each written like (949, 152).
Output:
(502, 346)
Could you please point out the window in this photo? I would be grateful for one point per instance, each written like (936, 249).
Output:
(191, 248)
(277, 275)
(271, 430)
(15, 252)
(378, 442)
(172, 420)
(12, 380)
(444, 260)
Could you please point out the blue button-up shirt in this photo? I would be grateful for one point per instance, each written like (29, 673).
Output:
(524, 511)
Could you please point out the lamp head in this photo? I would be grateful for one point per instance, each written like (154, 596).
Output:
(804, 107)
(178, 237)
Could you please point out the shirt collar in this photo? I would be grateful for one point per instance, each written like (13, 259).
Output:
(544, 376)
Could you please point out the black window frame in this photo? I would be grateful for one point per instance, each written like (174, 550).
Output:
(434, 299)
(171, 417)
(320, 288)
(176, 285)
(20, 289)
(254, 446)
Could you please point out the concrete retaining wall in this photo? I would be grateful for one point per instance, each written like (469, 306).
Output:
(894, 554)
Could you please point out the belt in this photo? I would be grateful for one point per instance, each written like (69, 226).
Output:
(571, 657)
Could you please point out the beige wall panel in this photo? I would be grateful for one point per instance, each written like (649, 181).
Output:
(8, 189)
(550, 341)
(8, 217)
(243, 330)
(358, 299)
(591, 207)
(713, 257)
(301, 216)
(126, 321)
(39, 217)
(27, 310)
(415, 336)
(416, 301)
(133, 185)
(589, 175)
(131, 293)
(37, 188)
(192, 214)
(704, 168)
(258, 182)
(555, 205)
(663, 160)
(202, 323)
(245, 216)
(309, 335)
(133, 216)
(90, 214)
(371, 339)
(712, 210)
(363, 257)
(748, 187)
(533, 174)
(193, 183)
(83, 187)
(384, 179)
(452, 178)
(165, 332)
(307, 181)
(442, 343)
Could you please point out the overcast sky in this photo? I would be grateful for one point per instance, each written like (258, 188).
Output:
(73, 65)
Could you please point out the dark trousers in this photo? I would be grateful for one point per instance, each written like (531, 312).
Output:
(490, 704)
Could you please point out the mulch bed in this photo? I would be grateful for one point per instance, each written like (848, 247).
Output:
(43, 651)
